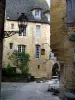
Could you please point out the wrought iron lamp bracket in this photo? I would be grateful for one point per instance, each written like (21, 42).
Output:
(9, 33)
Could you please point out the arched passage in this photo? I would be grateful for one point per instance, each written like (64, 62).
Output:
(55, 70)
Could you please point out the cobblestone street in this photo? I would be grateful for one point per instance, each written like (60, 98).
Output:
(26, 91)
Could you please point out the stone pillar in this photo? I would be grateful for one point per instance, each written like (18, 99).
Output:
(62, 89)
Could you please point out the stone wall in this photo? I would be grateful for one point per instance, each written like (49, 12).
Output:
(60, 44)
(30, 40)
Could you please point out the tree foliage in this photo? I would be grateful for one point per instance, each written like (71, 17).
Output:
(21, 60)
(8, 70)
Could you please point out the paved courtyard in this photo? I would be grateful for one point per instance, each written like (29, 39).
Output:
(26, 91)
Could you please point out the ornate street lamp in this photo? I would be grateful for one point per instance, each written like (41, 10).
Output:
(22, 24)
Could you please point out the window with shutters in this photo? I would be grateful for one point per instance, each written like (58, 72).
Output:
(69, 13)
(37, 48)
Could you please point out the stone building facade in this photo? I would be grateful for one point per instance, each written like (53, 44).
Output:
(63, 48)
(37, 34)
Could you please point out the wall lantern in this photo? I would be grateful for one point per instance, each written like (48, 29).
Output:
(22, 23)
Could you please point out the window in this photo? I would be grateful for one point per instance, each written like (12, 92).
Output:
(42, 51)
(73, 8)
(21, 48)
(47, 14)
(37, 51)
(49, 18)
(11, 45)
(37, 13)
(12, 26)
(38, 66)
(69, 12)
(37, 30)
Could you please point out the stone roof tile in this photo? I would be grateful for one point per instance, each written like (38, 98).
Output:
(14, 8)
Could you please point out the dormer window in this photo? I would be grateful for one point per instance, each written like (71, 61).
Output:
(36, 13)
(48, 17)
(47, 14)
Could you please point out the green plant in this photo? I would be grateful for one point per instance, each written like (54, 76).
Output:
(25, 71)
(72, 37)
(21, 60)
(9, 70)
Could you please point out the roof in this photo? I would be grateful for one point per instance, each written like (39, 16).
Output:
(47, 11)
(14, 8)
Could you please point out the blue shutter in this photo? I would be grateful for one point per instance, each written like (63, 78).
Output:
(37, 51)
(73, 9)
(69, 11)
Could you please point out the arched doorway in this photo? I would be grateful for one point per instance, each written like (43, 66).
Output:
(55, 70)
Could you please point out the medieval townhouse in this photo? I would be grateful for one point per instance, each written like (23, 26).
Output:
(34, 38)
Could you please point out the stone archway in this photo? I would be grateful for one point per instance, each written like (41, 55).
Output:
(55, 69)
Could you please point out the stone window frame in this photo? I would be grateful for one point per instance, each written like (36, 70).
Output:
(38, 66)
(37, 14)
(70, 22)
(38, 30)
(21, 48)
(11, 45)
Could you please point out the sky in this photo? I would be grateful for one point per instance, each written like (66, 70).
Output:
(48, 2)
